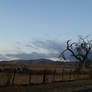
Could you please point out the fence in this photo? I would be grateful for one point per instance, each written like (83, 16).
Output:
(28, 77)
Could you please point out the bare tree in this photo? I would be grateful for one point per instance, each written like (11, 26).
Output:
(79, 50)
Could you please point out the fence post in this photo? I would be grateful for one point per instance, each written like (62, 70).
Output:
(44, 76)
(62, 74)
(9, 76)
(30, 73)
(70, 74)
(90, 75)
(13, 78)
(54, 73)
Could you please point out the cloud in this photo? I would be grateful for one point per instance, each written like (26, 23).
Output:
(3, 57)
(36, 49)
(33, 55)
(52, 46)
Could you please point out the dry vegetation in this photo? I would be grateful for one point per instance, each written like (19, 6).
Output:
(24, 81)
(72, 86)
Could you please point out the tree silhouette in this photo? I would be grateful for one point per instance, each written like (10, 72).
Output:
(79, 50)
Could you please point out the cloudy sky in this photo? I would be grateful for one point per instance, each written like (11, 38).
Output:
(39, 28)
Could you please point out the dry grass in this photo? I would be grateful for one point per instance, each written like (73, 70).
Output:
(72, 86)
(25, 79)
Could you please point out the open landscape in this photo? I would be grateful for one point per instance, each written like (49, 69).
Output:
(69, 83)
(43, 78)
(45, 45)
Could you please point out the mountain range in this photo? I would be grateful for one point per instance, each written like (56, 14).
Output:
(38, 61)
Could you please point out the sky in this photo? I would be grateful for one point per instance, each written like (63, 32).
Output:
(38, 28)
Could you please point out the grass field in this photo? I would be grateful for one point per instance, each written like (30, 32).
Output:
(53, 73)
(23, 80)
(70, 86)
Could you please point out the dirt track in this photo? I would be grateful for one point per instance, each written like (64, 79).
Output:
(72, 86)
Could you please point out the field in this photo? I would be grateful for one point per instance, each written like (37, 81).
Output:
(71, 86)
(35, 77)
(57, 79)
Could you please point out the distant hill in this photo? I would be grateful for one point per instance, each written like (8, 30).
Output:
(38, 61)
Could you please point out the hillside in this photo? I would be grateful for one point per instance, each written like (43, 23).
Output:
(38, 61)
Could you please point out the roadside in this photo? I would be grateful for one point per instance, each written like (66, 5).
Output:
(71, 86)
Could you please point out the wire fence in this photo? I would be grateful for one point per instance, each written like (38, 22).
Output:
(28, 77)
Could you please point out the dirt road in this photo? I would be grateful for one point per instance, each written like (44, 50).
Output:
(71, 86)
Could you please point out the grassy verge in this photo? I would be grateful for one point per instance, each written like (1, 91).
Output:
(72, 86)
